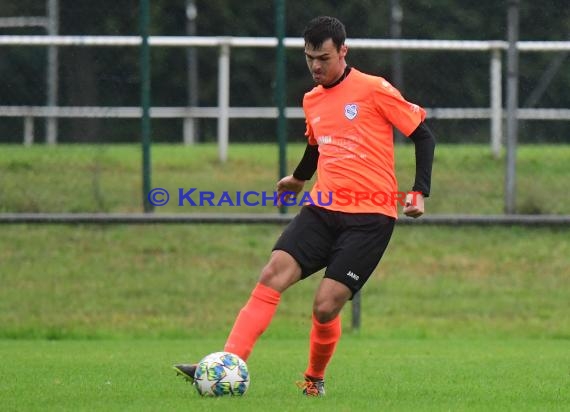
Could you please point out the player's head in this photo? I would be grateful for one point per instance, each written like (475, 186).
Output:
(323, 28)
(325, 49)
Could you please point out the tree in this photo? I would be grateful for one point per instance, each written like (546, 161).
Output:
(110, 76)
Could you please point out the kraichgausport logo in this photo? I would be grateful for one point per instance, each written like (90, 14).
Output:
(342, 197)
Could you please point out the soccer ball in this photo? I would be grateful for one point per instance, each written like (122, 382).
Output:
(221, 373)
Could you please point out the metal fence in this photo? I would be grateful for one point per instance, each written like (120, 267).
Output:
(481, 190)
(223, 112)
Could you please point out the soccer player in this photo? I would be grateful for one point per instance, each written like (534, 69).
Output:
(349, 117)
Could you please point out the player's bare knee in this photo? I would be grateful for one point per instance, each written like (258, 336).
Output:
(279, 274)
(268, 273)
(325, 311)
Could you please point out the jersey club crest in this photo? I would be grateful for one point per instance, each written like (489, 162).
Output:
(350, 111)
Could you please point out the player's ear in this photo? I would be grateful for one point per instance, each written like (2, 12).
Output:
(343, 50)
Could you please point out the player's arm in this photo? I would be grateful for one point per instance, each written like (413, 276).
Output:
(424, 142)
(304, 171)
(308, 164)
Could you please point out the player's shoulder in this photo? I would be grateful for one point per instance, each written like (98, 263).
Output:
(373, 80)
(379, 85)
(313, 92)
(370, 83)
(367, 78)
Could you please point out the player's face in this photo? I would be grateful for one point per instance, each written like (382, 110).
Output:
(326, 63)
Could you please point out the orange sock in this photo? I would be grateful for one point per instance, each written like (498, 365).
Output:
(252, 320)
(324, 337)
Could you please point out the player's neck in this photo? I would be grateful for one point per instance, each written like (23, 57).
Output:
(340, 79)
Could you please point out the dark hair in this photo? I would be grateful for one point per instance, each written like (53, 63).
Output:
(322, 28)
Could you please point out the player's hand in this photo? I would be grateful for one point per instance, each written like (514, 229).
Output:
(288, 188)
(414, 206)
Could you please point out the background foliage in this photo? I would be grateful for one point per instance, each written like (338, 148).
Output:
(109, 76)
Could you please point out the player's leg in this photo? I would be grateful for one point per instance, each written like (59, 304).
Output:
(281, 271)
(301, 249)
(330, 298)
(355, 255)
(253, 319)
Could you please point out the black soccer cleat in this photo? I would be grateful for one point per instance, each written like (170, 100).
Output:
(186, 370)
(312, 387)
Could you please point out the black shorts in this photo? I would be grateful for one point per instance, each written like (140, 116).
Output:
(349, 245)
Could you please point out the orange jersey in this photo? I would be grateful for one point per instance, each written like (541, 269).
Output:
(352, 123)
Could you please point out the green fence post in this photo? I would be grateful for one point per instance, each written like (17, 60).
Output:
(145, 102)
(280, 88)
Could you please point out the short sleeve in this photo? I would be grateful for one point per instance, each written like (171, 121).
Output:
(309, 133)
(403, 115)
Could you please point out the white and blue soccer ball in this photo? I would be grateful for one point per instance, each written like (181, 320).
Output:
(220, 374)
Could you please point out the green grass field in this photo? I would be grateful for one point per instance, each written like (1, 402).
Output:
(93, 317)
(107, 178)
(367, 374)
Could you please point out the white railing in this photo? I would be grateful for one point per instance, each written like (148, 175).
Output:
(223, 112)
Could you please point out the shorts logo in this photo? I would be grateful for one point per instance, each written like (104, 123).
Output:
(353, 275)
(350, 111)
